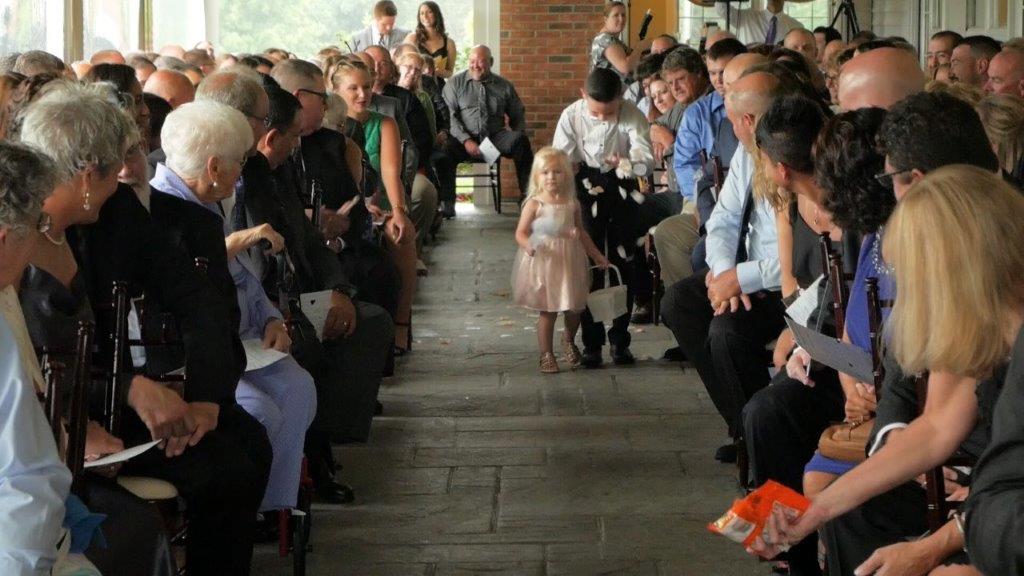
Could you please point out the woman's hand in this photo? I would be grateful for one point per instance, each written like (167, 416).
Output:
(275, 336)
(601, 261)
(784, 529)
(903, 559)
(798, 367)
(400, 227)
(860, 406)
(783, 346)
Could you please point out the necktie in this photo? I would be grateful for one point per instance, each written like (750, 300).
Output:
(773, 26)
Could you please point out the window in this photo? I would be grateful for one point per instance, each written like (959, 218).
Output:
(181, 22)
(110, 25)
(306, 27)
(811, 14)
(31, 25)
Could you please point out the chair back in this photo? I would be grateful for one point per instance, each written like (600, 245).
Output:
(57, 365)
(875, 332)
(832, 266)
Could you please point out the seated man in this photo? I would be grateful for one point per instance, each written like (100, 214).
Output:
(608, 140)
(382, 31)
(723, 320)
(703, 128)
(473, 120)
(970, 60)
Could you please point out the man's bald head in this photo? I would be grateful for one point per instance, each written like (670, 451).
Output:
(663, 44)
(107, 57)
(380, 60)
(480, 62)
(879, 78)
(740, 64)
(716, 36)
(802, 40)
(174, 50)
(172, 86)
(1006, 73)
(748, 98)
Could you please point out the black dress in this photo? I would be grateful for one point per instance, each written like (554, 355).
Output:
(136, 541)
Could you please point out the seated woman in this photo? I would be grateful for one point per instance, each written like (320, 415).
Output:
(351, 80)
(54, 297)
(206, 144)
(783, 421)
(971, 339)
(35, 481)
(1002, 115)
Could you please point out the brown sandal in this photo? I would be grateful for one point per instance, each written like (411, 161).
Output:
(548, 364)
(571, 354)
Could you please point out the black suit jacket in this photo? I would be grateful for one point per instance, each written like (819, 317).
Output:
(199, 233)
(323, 159)
(416, 118)
(316, 266)
(126, 245)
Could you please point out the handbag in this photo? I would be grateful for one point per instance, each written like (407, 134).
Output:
(607, 304)
(846, 441)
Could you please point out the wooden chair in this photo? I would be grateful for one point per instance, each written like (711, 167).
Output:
(657, 285)
(71, 368)
(493, 176)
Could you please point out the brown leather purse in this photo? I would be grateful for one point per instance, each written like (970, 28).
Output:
(847, 441)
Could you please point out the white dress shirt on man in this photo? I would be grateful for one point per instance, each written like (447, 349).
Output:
(753, 24)
(590, 141)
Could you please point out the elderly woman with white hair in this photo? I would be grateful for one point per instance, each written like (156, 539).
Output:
(206, 145)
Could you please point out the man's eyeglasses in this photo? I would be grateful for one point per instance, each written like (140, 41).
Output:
(885, 178)
(321, 95)
(265, 120)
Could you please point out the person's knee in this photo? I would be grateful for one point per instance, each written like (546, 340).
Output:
(264, 410)
(375, 326)
(761, 414)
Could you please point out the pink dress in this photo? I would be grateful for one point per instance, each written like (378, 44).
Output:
(556, 277)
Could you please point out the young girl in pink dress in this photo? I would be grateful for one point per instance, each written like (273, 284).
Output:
(550, 273)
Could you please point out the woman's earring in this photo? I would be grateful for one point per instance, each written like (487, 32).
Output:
(86, 204)
(215, 185)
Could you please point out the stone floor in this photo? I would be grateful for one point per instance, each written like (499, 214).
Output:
(481, 465)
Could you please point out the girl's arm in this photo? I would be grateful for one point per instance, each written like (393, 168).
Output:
(622, 61)
(785, 232)
(449, 68)
(524, 228)
(399, 225)
(588, 244)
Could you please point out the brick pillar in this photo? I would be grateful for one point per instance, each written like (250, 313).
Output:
(545, 47)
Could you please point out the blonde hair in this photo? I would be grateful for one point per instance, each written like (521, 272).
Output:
(1002, 115)
(414, 59)
(956, 241)
(966, 92)
(543, 157)
(337, 67)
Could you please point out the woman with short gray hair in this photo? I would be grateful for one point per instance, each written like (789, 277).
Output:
(36, 482)
(206, 145)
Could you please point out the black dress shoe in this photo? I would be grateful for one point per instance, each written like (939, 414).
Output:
(643, 315)
(622, 356)
(592, 358)
(448, 209)
(726, 454)
(674, 355)
(333, 492)
(267, 527)
(378, 409)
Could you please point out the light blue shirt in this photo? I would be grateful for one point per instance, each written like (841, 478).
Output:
(256, 308)
(761, 270)
(33, 480)
(696, 132)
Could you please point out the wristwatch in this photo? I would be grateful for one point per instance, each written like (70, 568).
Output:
(640, 170)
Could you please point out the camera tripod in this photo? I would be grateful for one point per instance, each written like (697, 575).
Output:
(847, 9)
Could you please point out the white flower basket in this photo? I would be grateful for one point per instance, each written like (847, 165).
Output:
(607, 304)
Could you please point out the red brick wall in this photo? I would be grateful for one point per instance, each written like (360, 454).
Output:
(545, 46)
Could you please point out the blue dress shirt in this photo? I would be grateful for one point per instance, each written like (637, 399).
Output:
(33, 480)
(761, 270)
(696, 132)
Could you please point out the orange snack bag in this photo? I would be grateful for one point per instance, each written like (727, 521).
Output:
(745, 520)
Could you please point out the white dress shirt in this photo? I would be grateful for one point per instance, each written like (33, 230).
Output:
(33, 480)
(590, 141)
(761, 270)
(751, 24)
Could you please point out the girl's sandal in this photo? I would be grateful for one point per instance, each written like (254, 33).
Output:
(571, 354)
(548, 364)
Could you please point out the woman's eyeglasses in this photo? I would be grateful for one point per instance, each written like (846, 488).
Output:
(885, 178)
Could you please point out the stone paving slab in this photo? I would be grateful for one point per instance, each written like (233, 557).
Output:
(482, 466)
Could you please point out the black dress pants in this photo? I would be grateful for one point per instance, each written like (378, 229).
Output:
(888, 518)
(728, 350)
(222, 480)
(511, 143)
(137, 543)
(613, 224)
(781, 425)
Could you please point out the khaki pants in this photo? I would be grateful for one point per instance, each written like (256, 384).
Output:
(422, 207)
(674, 238)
